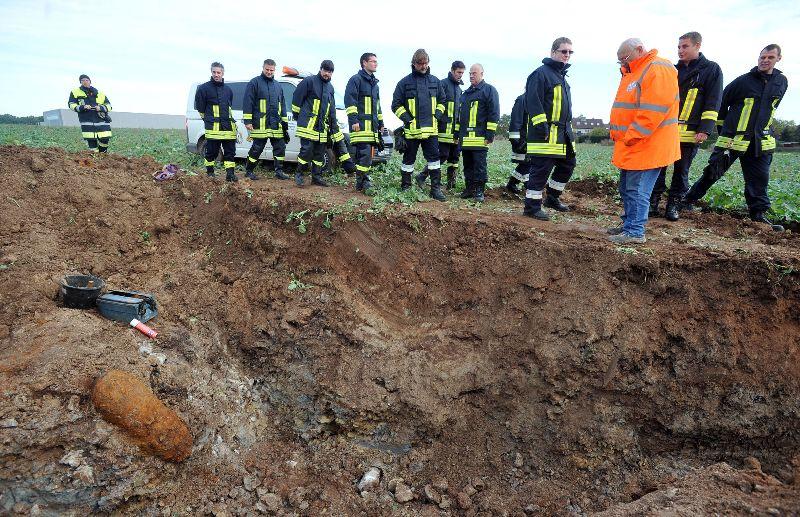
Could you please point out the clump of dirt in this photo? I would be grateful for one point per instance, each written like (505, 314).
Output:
(481, 363)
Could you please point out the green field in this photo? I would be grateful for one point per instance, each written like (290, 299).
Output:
(168, 146)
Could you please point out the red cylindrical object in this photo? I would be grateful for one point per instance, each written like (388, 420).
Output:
(144, 329)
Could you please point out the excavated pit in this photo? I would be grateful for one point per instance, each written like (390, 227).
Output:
(497, 365)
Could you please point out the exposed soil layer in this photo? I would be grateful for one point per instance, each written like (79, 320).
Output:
(498, 365)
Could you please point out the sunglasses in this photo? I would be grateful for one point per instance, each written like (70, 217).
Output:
(565, 52)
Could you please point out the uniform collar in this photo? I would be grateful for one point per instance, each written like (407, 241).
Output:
(755, 71)
(414, 72)
(453, 78)
(694, 63)
(368, 76)
(218, 84)
(267, 78)
(477, 87)
(641, 61)
(559, 66)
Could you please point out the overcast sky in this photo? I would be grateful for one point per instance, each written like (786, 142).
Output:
(145, 54)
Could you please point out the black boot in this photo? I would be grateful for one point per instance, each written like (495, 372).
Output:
(210, 172)
(469, 191)
(688, 205)
(671, 212)
(405, 180)
(230, 175)
(302, 168)
(653, 212)
(553, 200)
(479, 196)
(279, 170)
(359, 181)
(316, 179)
(436, 185)
(422, 177)
(451, 178)
(513, 187)
(759, 217)
(533, 209)
(366, 186)
(251, 175)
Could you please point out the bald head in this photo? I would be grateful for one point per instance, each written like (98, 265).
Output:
(630, 50)
(475, 74)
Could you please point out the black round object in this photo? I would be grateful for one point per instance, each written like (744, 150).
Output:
(77, 294)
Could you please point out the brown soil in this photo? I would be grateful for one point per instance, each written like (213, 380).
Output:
(498, 365)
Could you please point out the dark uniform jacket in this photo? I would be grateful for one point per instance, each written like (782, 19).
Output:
(700, 85)
(449, 125)
(517, 129)
(315, 110)
(478, 117)
(418, 101)
(265, 107)
(549, 108)
(94, 124)
(748, 106)
(363, 106)
(214, 101)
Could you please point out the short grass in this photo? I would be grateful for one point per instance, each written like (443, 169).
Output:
(594, 161)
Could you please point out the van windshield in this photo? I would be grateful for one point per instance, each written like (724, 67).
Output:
(339, 98)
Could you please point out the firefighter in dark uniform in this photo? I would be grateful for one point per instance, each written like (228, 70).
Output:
(477, 119)
(314, 109)
(363, 106)
(266, 118)
(418, 101)
(517, 128)
(745, 116)
(214, 100)
(448, 128)
(93, 109)
(549, 131)
(700, 84)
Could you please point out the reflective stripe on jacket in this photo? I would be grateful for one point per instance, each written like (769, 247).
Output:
(213, 100)
(700, 85)
(418, 101)
(517, 129)
(478, 117)
(96, 125)
(644, 117)
(548, 104)
(362, 103)
(748, 107)
(452, 105)
(265, 107)
(315, 110)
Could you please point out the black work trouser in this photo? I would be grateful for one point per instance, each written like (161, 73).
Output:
(448, 153)
(475, 171)
(363, 157)
(680, 175)
(278, 152)
(228, 153)
(755, 170)
(311, 151)
(539, 175)
(430, 150)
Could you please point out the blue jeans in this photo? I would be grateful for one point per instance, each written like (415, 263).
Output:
(635, 188)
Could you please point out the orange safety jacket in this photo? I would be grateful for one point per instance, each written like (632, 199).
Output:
(644, 117)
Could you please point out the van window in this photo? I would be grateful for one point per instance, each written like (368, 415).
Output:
(238, 94)
(288, 91)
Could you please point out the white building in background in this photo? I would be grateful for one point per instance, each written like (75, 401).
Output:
(65, 117)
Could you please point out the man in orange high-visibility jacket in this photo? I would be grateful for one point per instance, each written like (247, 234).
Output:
(644, 128)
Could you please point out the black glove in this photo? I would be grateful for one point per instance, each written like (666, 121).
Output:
(81, 107)
(287, 138)
(380, 143)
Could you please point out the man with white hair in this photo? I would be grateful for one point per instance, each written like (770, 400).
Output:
(644, 128)
(478, 117)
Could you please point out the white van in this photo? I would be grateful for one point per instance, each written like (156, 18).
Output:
(195, 129)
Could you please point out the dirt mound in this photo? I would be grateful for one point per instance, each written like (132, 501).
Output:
(497, 365)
